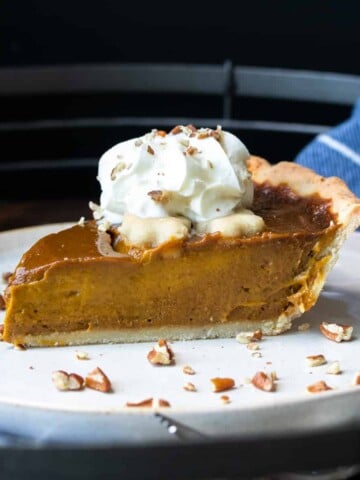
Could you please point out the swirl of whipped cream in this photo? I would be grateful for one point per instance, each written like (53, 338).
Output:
(199, 174)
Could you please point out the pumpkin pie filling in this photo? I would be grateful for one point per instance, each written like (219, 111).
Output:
(89, 284)
(74, 281)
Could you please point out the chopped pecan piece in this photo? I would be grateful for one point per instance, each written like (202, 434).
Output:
(318, 387)
(176, 130)
(82, 356)
(148, 402)
(220, 384)
(117, 169)
(249, 337)
(216, 133)
(67, 381)
(336, 332)
(2, 303)
(264, 382)
(160, 133)
(161, 354)
(159, 196)
(191, 128)
(188, 370)
(356, 379)
(150, 150)
(190, 387)
(315, 360)
(204, 134)
(97, 380)
(191, 150)
(225, 399)
(334, 368)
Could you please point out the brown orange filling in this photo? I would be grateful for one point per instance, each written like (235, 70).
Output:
(286, 212)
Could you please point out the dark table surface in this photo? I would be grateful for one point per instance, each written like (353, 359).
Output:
(38, 212)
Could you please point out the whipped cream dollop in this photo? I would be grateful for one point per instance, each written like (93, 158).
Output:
(199, 174)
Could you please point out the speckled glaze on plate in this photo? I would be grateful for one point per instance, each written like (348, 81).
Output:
(30, 405)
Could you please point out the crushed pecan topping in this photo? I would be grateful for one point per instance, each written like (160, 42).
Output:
(191, 128)
(117, 169)
(205, 134)
(216, 134)
(184, 142)
(150, 150)
(209, 132)
(160, 133)
(2, 303)
(159, 196)
(176, 130)
(191, 150)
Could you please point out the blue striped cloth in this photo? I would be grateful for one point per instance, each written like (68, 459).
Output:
(337, 152)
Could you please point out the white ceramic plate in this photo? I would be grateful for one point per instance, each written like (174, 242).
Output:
(30, 404)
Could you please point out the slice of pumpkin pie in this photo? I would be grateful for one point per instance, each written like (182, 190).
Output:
(193, 238)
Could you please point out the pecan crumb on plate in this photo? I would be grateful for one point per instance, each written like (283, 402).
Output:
(97, 380)
(161, 354)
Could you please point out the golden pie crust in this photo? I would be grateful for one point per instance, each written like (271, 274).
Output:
(73, 287)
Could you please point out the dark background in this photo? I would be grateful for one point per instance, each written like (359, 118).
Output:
(321, 35)
(302, 34)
